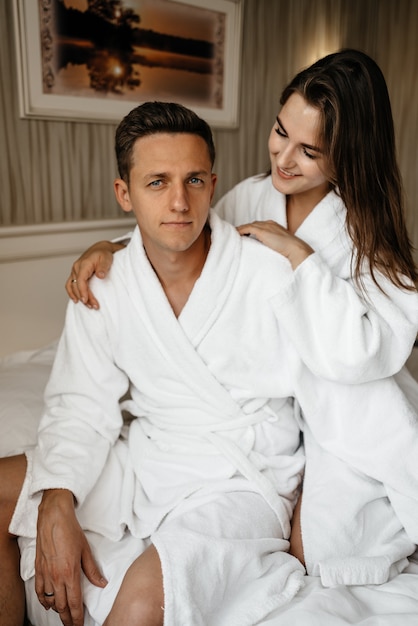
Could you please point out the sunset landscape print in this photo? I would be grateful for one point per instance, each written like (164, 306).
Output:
(133, 50)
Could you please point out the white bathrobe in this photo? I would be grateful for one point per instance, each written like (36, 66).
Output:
(211, 392)
(340, 335)
(215, 437)
(347, 338)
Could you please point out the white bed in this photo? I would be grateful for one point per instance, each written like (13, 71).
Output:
(23, 376)
(33, 267)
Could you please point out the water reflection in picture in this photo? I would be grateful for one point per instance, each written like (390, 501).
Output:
(133, 50)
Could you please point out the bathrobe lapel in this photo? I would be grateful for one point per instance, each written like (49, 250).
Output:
(177, 339)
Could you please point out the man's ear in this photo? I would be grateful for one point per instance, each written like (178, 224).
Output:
(122, 195)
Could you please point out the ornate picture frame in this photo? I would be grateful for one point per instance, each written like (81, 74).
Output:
(93, 61)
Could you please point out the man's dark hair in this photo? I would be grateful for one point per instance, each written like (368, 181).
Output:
(157, 117)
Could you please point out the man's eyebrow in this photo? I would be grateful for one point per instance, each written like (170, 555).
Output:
(198, 173)
(190, 174)
(305, 145)
(155, 175)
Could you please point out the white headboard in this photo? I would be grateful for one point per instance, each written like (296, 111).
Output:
(34, 264)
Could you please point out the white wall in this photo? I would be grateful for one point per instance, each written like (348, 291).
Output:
(34, 264)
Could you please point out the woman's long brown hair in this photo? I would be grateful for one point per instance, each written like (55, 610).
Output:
(358, 138)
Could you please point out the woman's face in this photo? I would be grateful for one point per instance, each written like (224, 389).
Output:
(298, 165)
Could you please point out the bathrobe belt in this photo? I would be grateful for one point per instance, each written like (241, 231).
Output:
(212, 433)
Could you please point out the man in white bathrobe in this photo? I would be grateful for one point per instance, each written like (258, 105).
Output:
(187, 513)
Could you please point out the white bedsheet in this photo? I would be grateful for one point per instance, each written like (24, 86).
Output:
(395, 603)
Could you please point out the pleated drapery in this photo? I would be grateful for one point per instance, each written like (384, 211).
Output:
(55, 171)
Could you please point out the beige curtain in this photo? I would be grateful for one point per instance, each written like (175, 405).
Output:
(59, 171)
(50, 171)
(397, 54)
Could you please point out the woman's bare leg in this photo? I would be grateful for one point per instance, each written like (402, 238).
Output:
(12, 592)
(140, 599)
(296, 545)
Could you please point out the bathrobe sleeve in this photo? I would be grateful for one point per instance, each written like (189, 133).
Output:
(373, 427)
(82, 419)
(339, 332)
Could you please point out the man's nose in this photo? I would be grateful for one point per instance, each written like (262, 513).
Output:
(179, 200)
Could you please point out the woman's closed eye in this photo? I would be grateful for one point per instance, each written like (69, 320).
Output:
(280, 132)
(310, 155)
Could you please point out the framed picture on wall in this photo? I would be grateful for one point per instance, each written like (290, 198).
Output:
(95, 60)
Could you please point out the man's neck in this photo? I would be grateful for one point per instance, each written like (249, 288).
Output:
(178, 271)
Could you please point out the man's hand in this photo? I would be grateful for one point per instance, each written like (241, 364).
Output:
(62, 553)
(279, 239)
(97, 260)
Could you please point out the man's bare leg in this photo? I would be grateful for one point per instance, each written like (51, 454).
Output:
(12, 592)
(140, 599)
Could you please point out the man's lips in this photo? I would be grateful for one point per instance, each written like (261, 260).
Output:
(177, 224)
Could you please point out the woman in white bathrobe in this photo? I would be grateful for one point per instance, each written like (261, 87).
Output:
(333, 205)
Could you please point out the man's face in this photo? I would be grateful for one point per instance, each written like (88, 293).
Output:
(170, 190)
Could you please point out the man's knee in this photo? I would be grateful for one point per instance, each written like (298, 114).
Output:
(140, 599)
(144, 610)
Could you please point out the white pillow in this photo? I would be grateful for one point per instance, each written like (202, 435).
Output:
(23, 377)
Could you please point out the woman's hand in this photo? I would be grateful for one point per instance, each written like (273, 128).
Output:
(97, 260)
(279, 239)
(62, 553)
